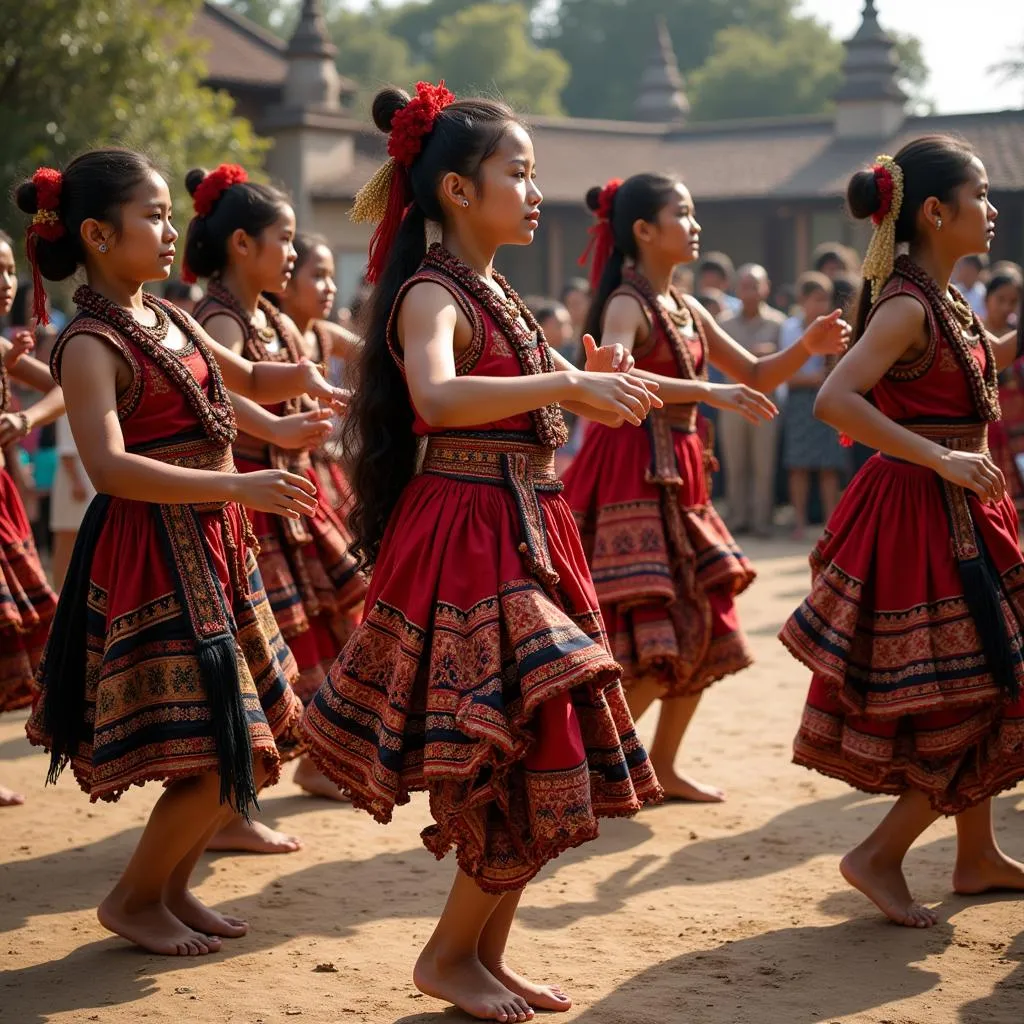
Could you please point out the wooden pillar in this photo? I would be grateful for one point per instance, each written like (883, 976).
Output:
(802, 240)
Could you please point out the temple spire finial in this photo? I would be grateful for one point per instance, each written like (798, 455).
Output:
(661, 96)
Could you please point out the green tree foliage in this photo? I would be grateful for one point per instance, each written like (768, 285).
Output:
(77, 73)
(753, 75)
(370, 55)
(276, 15)
(608, 43)
(487, 48)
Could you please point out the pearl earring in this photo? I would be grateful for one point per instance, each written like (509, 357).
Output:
(938, 223)
(465, 203)
(103, 246)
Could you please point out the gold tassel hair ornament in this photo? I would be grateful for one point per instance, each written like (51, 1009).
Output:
(881, 254)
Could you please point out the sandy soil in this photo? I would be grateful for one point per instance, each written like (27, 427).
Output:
(730, 914)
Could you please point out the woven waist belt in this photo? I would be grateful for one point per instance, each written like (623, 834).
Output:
(191, 453)
(523, 468)
(679, 417)
(958, 437)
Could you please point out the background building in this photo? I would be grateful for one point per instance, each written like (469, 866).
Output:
(766, 190)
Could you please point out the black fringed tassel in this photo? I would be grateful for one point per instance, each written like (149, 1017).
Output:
(983, 593)
(218, 669)
(61, 675)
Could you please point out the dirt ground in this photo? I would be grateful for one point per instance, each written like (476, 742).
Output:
(729, 914)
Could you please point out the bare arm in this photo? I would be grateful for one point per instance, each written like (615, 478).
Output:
(90, 371)
(264, 383)
(625, 324)
(1004, 349)
(301, 430)
(826, 336)
(427, 325)
(897, 327)
(49, 408)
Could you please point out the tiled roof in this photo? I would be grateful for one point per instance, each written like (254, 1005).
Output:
(799, 158)
(239, 52)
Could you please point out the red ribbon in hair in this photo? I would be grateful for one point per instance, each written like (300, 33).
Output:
(208, 191)
(602, 237)
(410, 127)
(46, 224)
(883, 182)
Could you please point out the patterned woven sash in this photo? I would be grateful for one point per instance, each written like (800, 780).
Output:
(525, 468)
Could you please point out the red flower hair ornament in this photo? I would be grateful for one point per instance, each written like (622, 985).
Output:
(205, 198)
(885, 186)
(602, 237)
(385, 198)
(46, 224)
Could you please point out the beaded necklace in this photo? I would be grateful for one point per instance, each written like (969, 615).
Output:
(211, 405)
(954, 322)
(510, 314)
(5, 387)
(256, 338)
(670, 328)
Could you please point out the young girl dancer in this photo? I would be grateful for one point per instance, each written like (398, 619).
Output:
(1004, 297)
(307, 302)
(913, 626)
(26, 601)
(165, 665)
(481, 672)
(241, 239)
(665, 567)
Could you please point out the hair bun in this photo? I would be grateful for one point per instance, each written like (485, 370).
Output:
(862, 195)
(593, 199)
(194, 179)
(386, 104)
(26, 198)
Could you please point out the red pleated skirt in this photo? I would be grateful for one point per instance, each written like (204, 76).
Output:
(666, 577)
(467, 679)
(901, 696)
(27, 602)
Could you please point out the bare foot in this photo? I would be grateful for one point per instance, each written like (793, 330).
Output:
(996, 871)
(240, 836)
(313, 781)
(467, 984)
(540, 997)
(682, 787)
(886, 887)
(190, 911)
(153, 927)
(8, 798)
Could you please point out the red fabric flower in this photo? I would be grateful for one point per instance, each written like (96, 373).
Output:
(48, 182)
(415, 121)
(602, 237)
(883, 182)
(213, 186)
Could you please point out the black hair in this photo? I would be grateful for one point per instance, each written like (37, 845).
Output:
(934, 165)
(812, 281)
(245, 205)
(304, 244)
(1001, 280)
(719, 262)
(574, 284)
(832, 252)
(176, 289)
(547, 308)
(844, 292)
(21, 308)
(641, 197)
(94, 186)
(378, 427)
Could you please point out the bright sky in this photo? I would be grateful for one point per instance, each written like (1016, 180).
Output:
(961, 39)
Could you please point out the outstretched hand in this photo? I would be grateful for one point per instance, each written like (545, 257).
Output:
(610, 359)
(317, 386)
(22, 342)
(828, 335)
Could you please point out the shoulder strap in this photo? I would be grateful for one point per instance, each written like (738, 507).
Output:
(210, 306)
(462, 300)
(82, 324)
(899, 285)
